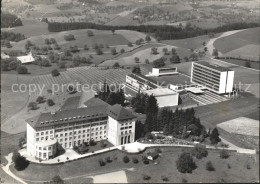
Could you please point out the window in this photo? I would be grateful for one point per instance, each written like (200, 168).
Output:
(37, 139)
(70, 138)
(46, 132)
(79, 136)
(79, 132)
(65, 139)
(70, 133)
(83, 135)
(105, 127)
(37, 134)
(40, 148)
(42, 138)
(49, 148)
(105, 132)
(44, 148)
(44, 155)
(83, 131)
(87, 130)
(51, 132)
(61, 135)
(56, 135)
(87, 135)
(46, 138)
(130, 131)
(60, 140)
(96, 133)
(42, 133)
(92, 134)
(65, 134)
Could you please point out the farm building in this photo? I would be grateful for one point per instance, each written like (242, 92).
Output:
(26, 59)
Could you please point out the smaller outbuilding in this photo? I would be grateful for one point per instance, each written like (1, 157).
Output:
(26, 59)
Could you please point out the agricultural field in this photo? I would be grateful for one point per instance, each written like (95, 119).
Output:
(166, 165)
(243, 43)
(254, 64)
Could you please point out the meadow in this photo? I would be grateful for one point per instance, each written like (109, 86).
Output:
(237, 40)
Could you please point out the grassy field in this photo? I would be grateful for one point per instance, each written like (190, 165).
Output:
(81, 38)
(77, 170)
(237, 40)
(250, 51)
(31, 28)
(254, 65)
(189, 43)
(142, 55)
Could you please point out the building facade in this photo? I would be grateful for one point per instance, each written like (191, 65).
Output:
(215, 78)
(163, 71)
(71, 128)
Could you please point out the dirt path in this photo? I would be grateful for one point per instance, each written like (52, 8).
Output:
(210, 44)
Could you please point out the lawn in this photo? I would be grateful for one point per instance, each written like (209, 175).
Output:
(237, 40)
(77, 170)
(71, 103)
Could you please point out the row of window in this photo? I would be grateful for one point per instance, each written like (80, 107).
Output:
(80, 136)
(122, 128)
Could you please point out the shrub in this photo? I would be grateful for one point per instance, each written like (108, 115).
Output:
(130, 44)
(185, 163)
(137, 59)
(50, 102)
(164, 178)
(135, 160)
(209, 166)
(99, 51)
(158, 150)
(22, 70)
(223, 154)
(101, 162)
(146, 177)
(20, 163)
(214, 136)
(108, 159)
(103, 144)
(55, 73)
(116, 65)
(32, 106)
(57, 180)
(145, 160)
(125, 159)
(248, 166)
(228, 166)
(92, 142)
(40, 99)
(122, 51)
(199, 151)
(69, 37)
(113, 51)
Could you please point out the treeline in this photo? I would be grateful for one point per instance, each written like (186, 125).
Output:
(162, 32)
(181, 123)
(11, 36)
(9, 20)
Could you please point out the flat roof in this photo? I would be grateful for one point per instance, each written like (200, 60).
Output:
(173, 79)
(141, 78)
(161, 92)
(194, 90)
(213, 66)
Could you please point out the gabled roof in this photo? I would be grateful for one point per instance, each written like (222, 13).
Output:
(119, 113)
(68, 116)
(26, 59)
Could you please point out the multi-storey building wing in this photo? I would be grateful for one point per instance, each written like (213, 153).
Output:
(74, 127)
(214, 77)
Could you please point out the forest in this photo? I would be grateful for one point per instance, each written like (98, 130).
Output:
(164, 32)
(9, 20)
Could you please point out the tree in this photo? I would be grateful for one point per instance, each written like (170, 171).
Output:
(125, 159)
(113, 51)
(57, 180)
(116, 65)
(130, 44)
(99, 51)
(90, 33)
(205, 49)
(47, 41)
(21, 163)
(154, 51)
(69, 37)
(13, 65)
(50, 102)
(223, 154)
(113, 30)
(136, 69)
(173, 51)
(86, 47)
(165, 50)
(186, 59)
(53, 41)
(122, 51)
(209, 166)
(138, 42)
(147, 38)
(214, 136)
(55, 73)
(185, 163)
(175, 59)
(199, 151)
(40, 99)
(137, 59)
(32, 105)
(194, 56)
(22, 70)
(248, 64)
(158, 63)
(215, 52)
(15, 155)
(135, 160)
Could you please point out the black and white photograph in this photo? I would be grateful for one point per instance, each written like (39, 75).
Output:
(130, 91)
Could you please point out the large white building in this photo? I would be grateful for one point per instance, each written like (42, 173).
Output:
(163, 71)
(76, 126)
(214, 77)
